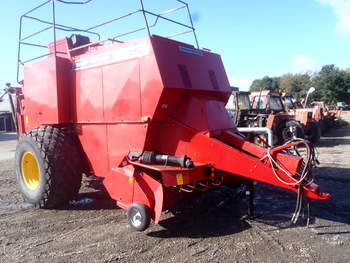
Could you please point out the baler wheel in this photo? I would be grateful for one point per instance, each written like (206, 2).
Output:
(139, 216)
(48, 166)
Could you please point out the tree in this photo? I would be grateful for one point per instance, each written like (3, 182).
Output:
(266, 83)
(332, 84)
(286, 83)
(295, 84)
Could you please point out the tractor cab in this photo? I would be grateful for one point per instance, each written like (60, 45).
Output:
(270, 112)
(266, 102)
(290, 103)
(305, 117)
(239, 107)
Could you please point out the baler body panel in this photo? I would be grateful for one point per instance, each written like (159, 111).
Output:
(201, 77)
(123, 90)
(123, 104)
(93, 138)
(88, 96)
(46, 90)
(109, 101)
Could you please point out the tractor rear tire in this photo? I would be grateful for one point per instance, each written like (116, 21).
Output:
(139, 216)
(292, 130)
(48, 166)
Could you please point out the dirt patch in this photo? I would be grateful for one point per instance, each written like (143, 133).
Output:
(208, 229)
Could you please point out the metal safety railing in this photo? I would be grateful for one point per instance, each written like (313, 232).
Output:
(52, 25)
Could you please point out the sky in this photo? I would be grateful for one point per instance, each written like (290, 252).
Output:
(254, 38)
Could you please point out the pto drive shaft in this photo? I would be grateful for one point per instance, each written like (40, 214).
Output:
(148, 157)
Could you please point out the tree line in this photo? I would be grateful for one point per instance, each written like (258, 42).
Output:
(331, 83)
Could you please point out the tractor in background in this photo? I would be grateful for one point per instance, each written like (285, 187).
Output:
(325, 116)
(267, 106)
(284, 117)
(307, 117)
(239, 107)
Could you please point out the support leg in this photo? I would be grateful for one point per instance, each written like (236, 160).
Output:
(250, 198)
(308, 212)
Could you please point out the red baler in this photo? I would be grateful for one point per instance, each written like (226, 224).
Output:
(149, 116)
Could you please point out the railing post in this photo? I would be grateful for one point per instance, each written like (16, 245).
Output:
(19, 48)
(144, 15)
(54, 24)
(193, 29)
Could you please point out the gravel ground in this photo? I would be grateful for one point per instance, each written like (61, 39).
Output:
(208, 229)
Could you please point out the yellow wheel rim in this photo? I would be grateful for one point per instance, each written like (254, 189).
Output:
(30, 170)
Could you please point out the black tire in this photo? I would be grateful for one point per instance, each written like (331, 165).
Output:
(313, 132)
(139, 216)
(292, 130)
(322, 126)
(57, 158)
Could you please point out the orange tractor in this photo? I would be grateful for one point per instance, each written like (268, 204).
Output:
(146, 115)
(324, 115)
(267, 106)
(309, 118)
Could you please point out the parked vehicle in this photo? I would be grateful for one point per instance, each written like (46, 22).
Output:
(324, 115)
(269, 110)
(308, 117)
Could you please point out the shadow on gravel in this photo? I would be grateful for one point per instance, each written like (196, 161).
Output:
(215, 213)
(333, 233)
(200, 226)
(335, 181)
(331, 142)
(332, 175)
(92, 196)
(8, 136)
(219, 212)
(329, 139)
(274, 206)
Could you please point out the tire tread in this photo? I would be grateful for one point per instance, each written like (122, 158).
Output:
(61, 160)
